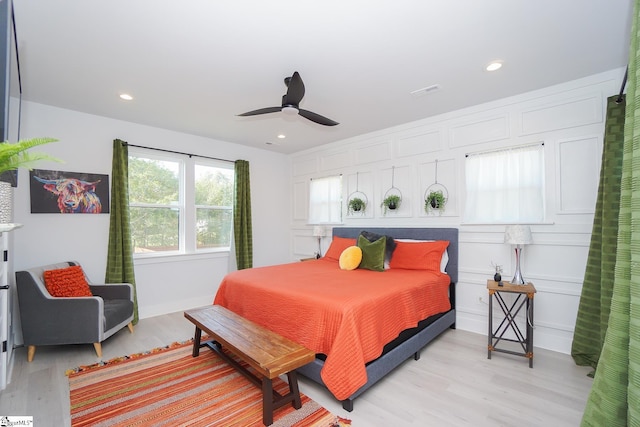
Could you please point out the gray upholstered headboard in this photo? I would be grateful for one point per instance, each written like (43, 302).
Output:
(450, 234)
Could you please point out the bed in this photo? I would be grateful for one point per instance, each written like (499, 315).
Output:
(361, 323)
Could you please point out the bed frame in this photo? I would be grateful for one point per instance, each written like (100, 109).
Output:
(412, 340)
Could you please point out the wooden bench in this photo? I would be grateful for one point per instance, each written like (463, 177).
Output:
(268, 353)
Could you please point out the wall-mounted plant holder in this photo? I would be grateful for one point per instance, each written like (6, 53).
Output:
(357, 204)
(357, 201)
(435, 196)
(392, 198)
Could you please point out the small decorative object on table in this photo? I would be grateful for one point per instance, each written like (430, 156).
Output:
(498, 276)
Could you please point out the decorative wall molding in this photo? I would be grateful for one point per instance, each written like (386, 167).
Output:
(578, 165)
(300, 196)
(304, 166)
(475, 132)
(335, 160)
(413, 145)
(375, 152)
(562, 114)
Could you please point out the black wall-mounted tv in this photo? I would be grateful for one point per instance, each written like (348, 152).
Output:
(10, 82)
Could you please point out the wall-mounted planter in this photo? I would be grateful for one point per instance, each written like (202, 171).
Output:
(357, 203)
(391, 201)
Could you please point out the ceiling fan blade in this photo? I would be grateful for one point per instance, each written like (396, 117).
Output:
(295, 91)
(317, 118)
(261, 111)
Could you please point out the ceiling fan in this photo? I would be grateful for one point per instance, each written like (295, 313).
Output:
(290, 101)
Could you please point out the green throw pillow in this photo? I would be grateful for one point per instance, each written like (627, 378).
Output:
(372, 253)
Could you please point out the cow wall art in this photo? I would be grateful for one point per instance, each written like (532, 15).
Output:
(68, 192)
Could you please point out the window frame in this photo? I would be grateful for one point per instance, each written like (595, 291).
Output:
(186, 202)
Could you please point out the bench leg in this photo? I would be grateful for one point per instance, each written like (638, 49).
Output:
(293, 389)
(196, 342)
(267, 401)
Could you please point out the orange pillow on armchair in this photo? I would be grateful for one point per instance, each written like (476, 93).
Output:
(67, 282)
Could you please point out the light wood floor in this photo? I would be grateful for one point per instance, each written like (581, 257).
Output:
(453, 383)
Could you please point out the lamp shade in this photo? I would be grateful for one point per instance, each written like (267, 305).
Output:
(318, 231)
(518, 235)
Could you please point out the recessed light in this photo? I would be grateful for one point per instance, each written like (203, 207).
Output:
(126, 97)
(281, 136)
(495, 65)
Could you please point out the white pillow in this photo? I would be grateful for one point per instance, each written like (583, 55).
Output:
(445, 256)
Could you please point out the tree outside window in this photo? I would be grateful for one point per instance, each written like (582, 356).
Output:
(178, 205)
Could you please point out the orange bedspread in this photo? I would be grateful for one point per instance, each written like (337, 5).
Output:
(347, 315)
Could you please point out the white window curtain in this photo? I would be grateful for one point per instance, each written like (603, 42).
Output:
(325, 200)
(505, 186)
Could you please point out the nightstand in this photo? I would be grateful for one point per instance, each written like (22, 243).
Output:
(524, 299)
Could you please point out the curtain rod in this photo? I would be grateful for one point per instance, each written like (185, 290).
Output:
(177, 152)
(624, 83)
(324, 177)
(517, 147)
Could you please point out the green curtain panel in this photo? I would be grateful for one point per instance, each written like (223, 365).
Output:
(242, 216)
(597, 289)
(615, 395)
(120, 252)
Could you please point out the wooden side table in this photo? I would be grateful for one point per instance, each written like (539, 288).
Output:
(524, 298)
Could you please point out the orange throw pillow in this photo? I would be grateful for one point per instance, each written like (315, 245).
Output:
(338, 245)
(418, 255)
(67, 282)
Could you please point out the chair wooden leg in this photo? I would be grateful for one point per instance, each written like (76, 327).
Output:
(130, 326)
(98, 348)
(31, 351)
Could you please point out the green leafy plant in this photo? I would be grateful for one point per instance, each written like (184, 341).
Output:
(15, 155)
(357, 205)
(435, 201)
(391, 202)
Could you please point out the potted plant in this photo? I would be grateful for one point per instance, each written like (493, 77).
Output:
(435, 201)
(357, 205)
(14, 156)
(391, 202)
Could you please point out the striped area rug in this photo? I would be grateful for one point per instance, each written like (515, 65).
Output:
(169, 387)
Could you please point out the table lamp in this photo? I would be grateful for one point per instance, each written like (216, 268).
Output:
(518, 235)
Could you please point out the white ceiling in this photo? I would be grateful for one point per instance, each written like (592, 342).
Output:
(193, 65)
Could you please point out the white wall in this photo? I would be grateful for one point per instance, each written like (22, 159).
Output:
(568, 118)
(167, 284)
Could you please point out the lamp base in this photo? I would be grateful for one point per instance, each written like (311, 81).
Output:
(517, 277)
(319, 254)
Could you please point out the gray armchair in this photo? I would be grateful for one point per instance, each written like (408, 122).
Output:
(47, 320)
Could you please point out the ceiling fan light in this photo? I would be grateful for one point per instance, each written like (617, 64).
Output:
(292, 111)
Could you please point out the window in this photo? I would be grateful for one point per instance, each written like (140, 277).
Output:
(505, 186)
(179, 204)
(325, 200)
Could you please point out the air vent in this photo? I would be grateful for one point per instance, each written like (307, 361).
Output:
(424, 91)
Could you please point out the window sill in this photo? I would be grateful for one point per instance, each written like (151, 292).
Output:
(176, 257)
